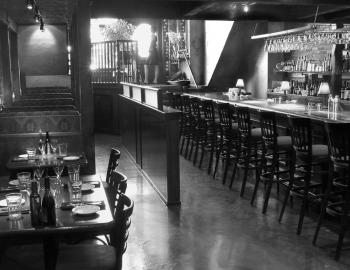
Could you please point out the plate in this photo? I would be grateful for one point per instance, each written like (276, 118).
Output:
(87, 187)
(3, 202)
(71, 158)
(14, 182)
(85, 210)
(23, 156)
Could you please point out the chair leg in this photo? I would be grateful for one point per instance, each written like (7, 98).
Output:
(246, 169)
(211, 156)
(305, 202)
(344, 222)
(269, 186)
(257, 177)
(191, 148)
(291, 181)
(324, 204)
(238, 155)
(196, 152)
(202, 156)
(187, 144)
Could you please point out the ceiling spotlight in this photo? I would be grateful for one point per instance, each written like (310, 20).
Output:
(42, 29)
(245, 8)
(37, 18)
(29, 4)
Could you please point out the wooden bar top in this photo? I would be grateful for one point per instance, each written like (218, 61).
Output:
(282, 108)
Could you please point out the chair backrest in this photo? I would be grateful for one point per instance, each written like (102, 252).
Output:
(112, 163)
(185, 101)
(208, 110)
(195, 107)
(268, 127)
(225, 115)
(243, 117)
(338, 135)
(118, 183)
(177, 102)
(171, 100)
(301, 134)
(120, 233)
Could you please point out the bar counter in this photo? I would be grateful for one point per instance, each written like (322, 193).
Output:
(283, 108)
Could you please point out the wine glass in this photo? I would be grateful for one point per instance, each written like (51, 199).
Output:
(38, 174)
(58, 169)
(54, 145)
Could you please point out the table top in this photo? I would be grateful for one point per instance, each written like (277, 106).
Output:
(66, 222)
(18, 163)
(282, 108)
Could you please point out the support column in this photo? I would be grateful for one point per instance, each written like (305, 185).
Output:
(5, 66)
(16, 84)
(83, 82)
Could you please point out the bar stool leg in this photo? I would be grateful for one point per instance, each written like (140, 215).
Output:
(238, 155)
(257, 176)
(271, 178)
(324, 204)
(291, 180)
(246, 167)
(305, 200)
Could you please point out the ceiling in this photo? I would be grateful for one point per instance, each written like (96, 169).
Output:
(52, 11)
(269, 10)
(59, 11)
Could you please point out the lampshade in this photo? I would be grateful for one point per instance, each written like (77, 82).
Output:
(285, 86)
(240, 83)
(324, 89)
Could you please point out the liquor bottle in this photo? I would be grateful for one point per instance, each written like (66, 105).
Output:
(35, 205)
(48, 205)
(47, 144)
(41, 145)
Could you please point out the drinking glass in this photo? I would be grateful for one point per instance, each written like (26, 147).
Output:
(75, 183)
(14, 201)
(58, 168)
(31, 151)
(24, 182)
(62, 149)
(54, 145)
(38, 174)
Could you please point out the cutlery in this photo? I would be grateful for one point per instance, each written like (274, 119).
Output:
(71, 205)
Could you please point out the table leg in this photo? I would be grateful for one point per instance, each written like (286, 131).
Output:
(50, 245)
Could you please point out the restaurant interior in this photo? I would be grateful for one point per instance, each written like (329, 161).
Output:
(173, 134)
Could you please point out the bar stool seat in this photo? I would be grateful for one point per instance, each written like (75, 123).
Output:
(318, 152)
(256, 133)
(284, 142)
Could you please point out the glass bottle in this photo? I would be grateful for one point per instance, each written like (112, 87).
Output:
(48, 205)
(47, 144)
(35, 205)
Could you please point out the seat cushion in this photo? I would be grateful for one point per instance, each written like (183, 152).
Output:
(320, 150)
(284, 141)
(256, 133)
(86, 257)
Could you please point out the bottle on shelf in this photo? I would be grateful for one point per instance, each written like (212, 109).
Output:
(48, 205)
(35, 205)
(47, 144)
(41, 145)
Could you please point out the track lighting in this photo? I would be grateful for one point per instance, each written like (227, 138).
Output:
(29, 4)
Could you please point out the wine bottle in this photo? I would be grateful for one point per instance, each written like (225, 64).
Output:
(35, 205)
(48, 205)
(47, 144)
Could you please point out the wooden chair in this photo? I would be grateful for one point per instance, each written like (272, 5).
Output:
(228, 138)
(276, 150)
(250, 140)
(336, 200)
(306, 156)
(80, 256)
(112, 163)
(118, 184)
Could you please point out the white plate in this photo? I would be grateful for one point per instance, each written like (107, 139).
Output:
(3, 202)
(87, 187)
(85, 210)
(23, 156)
(71, 158)
(14, 182)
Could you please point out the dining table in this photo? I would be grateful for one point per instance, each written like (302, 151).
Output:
(68, 224)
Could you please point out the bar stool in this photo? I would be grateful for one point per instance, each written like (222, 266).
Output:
(197, 127)
(276, 150)
(228, 134)
(336, 201)
(185, 128)
(210, 141)
(250, 140)
(305, 157)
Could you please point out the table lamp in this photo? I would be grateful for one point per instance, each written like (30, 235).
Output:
(240, 85)
(324, 91)
(285, 87)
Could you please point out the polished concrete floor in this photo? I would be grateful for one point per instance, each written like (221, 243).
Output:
(214, 228)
